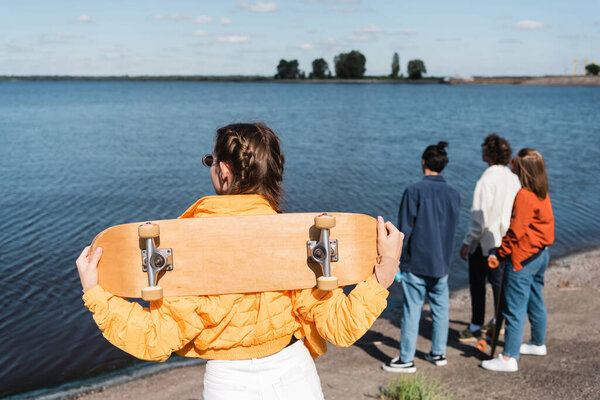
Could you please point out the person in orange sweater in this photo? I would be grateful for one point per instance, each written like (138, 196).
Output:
(259, 345)
(524, 249)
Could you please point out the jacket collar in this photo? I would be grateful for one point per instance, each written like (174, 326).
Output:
(228, 206)
(435, 178)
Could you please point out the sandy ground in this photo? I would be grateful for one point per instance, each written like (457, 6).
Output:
(569, 371)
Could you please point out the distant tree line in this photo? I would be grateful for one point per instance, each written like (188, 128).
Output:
(350, 65)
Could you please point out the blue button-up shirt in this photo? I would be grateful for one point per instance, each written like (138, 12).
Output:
(428, 218)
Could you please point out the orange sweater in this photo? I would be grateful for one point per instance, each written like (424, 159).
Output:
(531, 228)
(236, 326)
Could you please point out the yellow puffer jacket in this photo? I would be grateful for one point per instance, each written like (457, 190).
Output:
(236, 326)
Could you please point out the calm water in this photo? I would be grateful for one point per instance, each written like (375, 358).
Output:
(77, 157)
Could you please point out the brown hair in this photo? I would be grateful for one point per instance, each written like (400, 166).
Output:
(253, 153)
(530, 167)
(496, 150)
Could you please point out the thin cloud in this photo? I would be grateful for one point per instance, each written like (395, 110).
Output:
(527, 24)
(572, 37)
(85, 19)
(233, 39)
(259, 6)
(345, 10)
(333, 1)
(174, 18)
(368, 29)
(360, 38)
(200, 32)
(203, 19)
(55, 38)
(225, 21)
(306, 46)
(403, 32)
(511, 41)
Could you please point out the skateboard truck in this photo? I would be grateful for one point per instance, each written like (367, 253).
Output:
(324, 252)
(153, 260)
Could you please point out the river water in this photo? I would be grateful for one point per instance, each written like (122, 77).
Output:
(77, 157)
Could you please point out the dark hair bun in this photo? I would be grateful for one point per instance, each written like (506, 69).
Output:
(435, 157)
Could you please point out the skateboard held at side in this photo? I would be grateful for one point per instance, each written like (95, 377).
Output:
(242, 254)
(493, 335)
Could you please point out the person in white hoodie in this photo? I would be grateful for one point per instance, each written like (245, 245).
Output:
(490, 218)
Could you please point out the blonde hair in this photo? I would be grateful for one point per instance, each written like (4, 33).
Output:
(530, 167)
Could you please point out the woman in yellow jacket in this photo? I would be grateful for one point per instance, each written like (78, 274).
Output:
(259, 345)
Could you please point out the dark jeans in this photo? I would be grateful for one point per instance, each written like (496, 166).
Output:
(478, 272)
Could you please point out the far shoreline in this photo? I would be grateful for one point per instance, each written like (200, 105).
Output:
(554, 80)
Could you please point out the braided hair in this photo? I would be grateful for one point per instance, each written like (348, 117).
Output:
(435, 157)
(253, 153)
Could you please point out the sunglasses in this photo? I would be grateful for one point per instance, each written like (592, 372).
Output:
(208, 160)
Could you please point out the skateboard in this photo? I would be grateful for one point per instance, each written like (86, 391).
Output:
(492, 336)
(241, 254)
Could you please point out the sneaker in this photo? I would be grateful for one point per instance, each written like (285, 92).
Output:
(500, 364)
(439, 361)
(395, 365)
(533, 350)
(489, 328)
(467, 336)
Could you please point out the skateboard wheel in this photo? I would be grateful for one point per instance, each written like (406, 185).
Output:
(327, 283)
(481, 344)
(150, 293)
(148, 231)
(324, 221)
(493, 263)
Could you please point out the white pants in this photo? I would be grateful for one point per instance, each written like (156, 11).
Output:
(287, 375)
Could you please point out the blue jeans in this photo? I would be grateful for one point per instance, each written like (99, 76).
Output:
(414, 288)
(523, 297)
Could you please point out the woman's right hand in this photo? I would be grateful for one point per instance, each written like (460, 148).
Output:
(389, 247)
(389, 239)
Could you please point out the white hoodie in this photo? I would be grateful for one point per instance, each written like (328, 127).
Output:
(492, 207)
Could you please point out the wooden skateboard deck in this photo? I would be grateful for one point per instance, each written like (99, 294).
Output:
(241, 254)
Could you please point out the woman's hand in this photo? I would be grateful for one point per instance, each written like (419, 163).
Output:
(88, 268)
(389, 246)
(464, 252)
(389, 239)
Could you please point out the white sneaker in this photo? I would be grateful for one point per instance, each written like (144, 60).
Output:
(396, 365)
(500, 364)
(533, 350)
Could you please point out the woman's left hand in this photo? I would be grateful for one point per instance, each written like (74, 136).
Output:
(88, 268)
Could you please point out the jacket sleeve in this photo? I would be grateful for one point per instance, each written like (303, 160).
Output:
(150, 333)
(406, 221)
(338, 318)
(479, 211)
(522, 216)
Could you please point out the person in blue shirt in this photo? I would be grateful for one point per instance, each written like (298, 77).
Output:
(428, 218)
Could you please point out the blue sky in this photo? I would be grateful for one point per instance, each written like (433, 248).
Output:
(111, 37)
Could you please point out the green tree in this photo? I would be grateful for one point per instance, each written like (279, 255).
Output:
(287, 70)
(592, 69)
(395, 66)
(416, 69)
(350, 65)
(320, 69)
